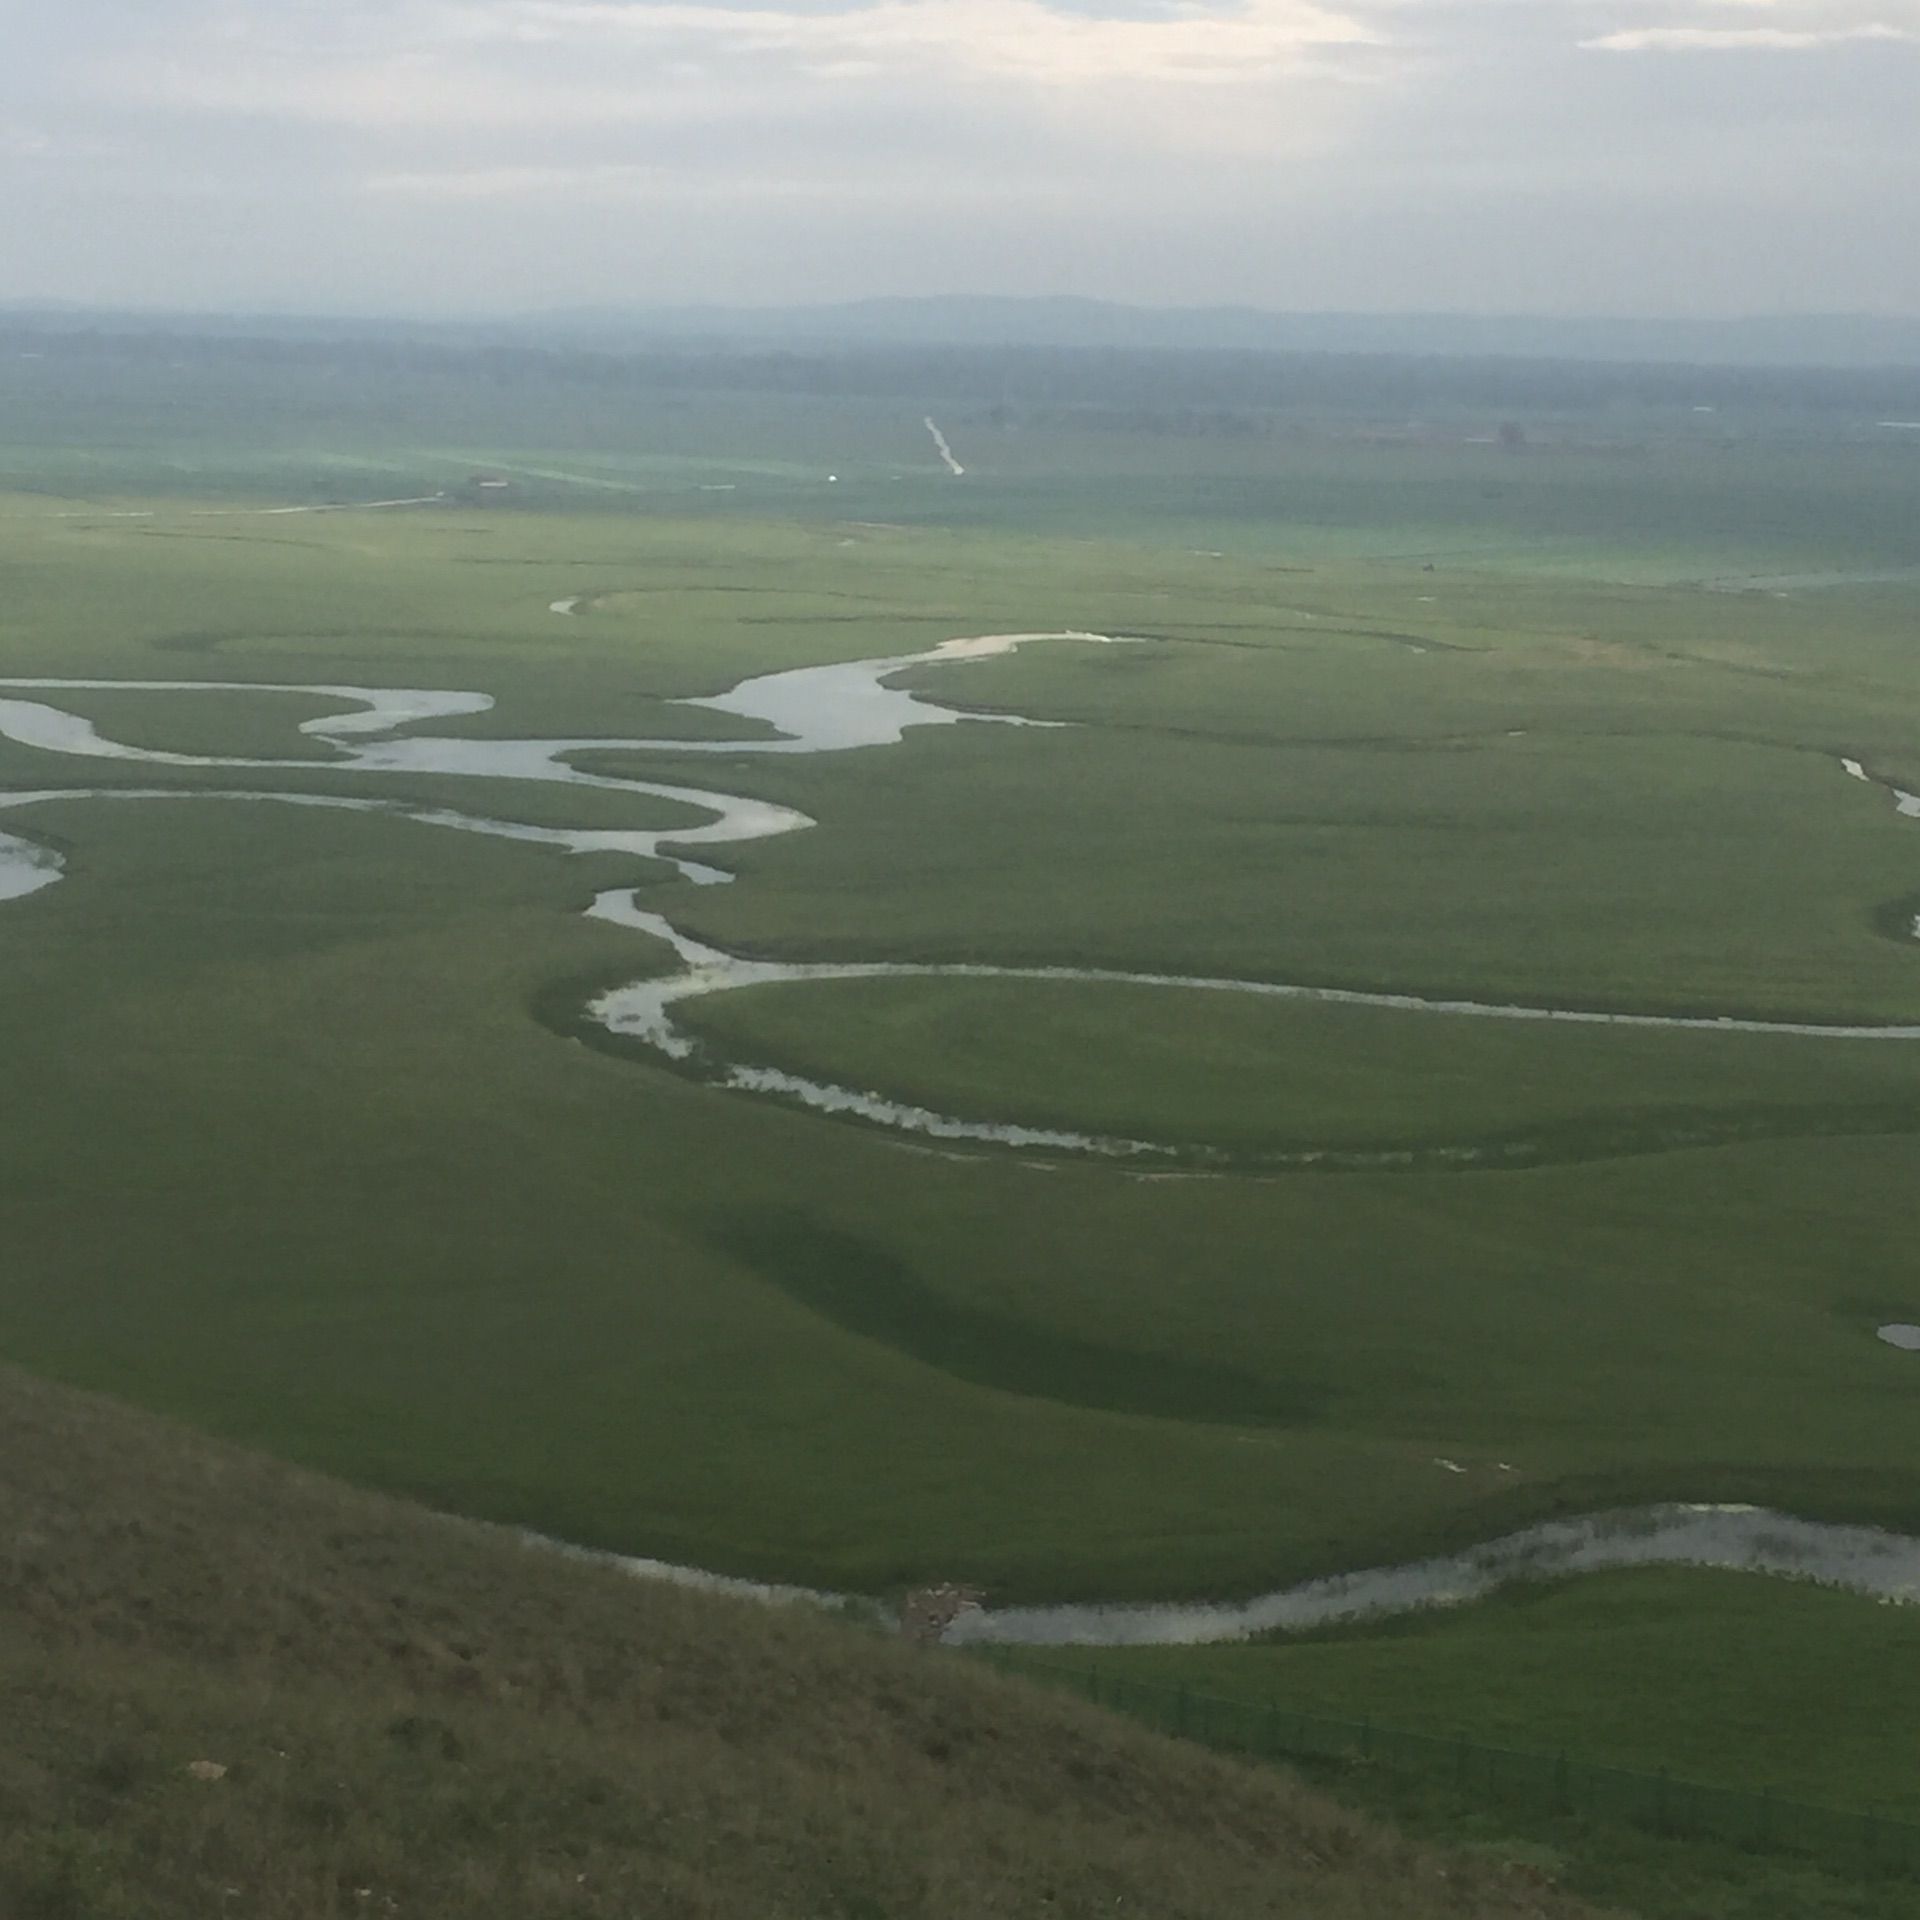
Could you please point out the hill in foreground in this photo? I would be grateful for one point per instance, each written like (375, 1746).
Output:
(228, 1688)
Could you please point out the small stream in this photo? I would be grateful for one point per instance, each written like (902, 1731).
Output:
(846, 706)
(1858, 1560)
(834, 708)
(1865, 1561)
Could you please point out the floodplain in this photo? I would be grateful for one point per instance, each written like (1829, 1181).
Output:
(314, 1141)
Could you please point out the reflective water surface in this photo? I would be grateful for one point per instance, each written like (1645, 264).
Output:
(852, 706)
(834, 708)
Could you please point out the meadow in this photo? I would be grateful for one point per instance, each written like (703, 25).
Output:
(308, 1140)
(1698, 1744)
(1713, 1676)
(305, 1146)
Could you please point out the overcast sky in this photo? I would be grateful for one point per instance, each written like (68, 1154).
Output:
(1621, 156)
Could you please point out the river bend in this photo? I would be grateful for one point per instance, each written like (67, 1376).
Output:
(834, 708)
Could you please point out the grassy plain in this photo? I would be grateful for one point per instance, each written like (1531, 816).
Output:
(1716, 1677)
(1795, 1696)
(1614, 487)
(1248, 1077)
(291, 1155)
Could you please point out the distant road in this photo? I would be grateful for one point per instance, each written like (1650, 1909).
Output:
(946, 452)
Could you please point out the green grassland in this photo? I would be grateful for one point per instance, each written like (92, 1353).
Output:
(1779, 1689)
(1718, 1677)
(304, 1144)
(1201, 453)
(1248, 1078)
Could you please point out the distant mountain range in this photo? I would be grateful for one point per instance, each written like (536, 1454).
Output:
(1781, 340)
(1847, 340)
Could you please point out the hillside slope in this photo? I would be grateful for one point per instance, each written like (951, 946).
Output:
(416, 1716)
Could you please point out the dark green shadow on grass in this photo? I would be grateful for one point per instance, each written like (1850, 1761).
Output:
(867, 1290)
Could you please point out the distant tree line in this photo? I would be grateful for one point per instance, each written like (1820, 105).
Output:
(1194, 391)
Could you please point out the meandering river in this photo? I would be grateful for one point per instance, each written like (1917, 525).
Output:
(1866, 1561)
(839, 708)
(835, 708)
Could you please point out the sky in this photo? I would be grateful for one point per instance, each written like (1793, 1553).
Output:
(1658, 157)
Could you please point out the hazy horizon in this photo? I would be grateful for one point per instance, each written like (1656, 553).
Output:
(426, 314)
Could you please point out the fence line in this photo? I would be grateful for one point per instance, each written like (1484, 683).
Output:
(1556, 1783)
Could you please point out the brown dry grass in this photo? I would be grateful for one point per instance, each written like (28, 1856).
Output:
(423, 1718)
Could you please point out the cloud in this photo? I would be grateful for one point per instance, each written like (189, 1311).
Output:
(505, 63)
(525, 100)
(1744, 39)
(1023, 40)
(1768, 26)
(1321, 153)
